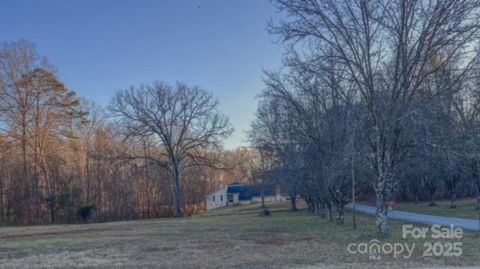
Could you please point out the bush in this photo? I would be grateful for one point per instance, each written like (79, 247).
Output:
(85, 212)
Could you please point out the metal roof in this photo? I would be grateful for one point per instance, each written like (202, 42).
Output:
(246, 192)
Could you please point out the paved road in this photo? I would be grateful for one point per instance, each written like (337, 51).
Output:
(466, 224)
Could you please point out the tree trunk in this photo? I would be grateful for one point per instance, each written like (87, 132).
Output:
(478, 195)
(53, 201)
(37, 196)
(317, 209)
(51, 182)
(382, 213)
(20, 204)
(177, 212)
(431, 190)
(453, 192)
(383, 184)
(383, 187)
(87, 173)
(328, 208)
(453, 199)
(262, 194)
(293, 203)
(309, 202)
(1, 199)
(340, 214)
(24, 149)
(432, 199)
(99, 191)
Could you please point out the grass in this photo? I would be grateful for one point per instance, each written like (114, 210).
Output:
(465, 208)
(250, 209)
(227, 238)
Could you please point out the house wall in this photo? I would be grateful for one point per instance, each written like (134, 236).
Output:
(217, 199)
(244, 202)
(235, 200)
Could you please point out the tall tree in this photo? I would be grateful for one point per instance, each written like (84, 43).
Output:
(36, 110)
(184, 121)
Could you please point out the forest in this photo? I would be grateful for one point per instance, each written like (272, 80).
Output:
(153, 152)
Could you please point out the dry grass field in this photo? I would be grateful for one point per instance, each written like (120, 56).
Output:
(226, 238)
(466, 208)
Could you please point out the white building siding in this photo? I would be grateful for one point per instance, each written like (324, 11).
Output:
(217, 199)
(258, 199)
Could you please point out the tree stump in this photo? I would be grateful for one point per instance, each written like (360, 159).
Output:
(265, 212)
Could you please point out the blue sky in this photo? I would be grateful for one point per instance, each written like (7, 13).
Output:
(100, 46)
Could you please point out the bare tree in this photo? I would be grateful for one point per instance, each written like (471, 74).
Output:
(184, 121)
(386, 48)
(37, 109)
(18, 60)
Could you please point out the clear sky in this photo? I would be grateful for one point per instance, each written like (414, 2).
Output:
(100, 46)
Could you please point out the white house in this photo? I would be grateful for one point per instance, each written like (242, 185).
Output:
(237, 194)
(217, 198)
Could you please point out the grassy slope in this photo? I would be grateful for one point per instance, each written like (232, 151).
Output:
(465, 208)
(213, 240)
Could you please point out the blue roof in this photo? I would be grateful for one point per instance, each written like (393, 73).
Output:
(246, 192)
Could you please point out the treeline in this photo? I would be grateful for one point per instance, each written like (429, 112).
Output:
(62, 159)
(380, 96)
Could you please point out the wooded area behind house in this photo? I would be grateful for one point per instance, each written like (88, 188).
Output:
(64, 158)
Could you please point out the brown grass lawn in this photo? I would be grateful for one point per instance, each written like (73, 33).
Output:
(226, 238)
(465, 208)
